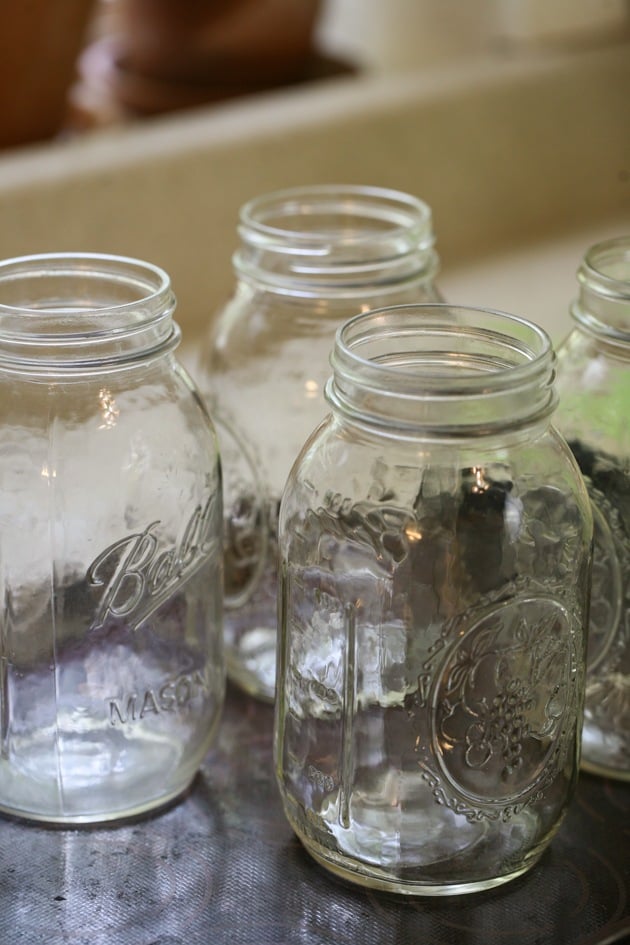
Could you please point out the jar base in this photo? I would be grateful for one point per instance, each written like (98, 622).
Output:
(433, 870)
(602, 770)
(87, 818)
(605, 753)
(373, 879)
(89, 784)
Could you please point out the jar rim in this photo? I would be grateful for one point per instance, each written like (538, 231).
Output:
(334, 240)
(443, 364)
(603, 305)
(397, 207)
(83, 310)
(69, 263)
(611, 251)
(356, 331)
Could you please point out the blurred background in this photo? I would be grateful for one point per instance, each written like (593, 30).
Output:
(141, 127)
(73, 65)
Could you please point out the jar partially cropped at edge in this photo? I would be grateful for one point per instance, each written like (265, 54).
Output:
(112, 670)
(309, 259)
(594, 415)
(435, 538)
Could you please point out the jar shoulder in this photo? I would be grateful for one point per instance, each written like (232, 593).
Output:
(579, 350)
(99, 418)
(593, 385)
(370, 468)
(252, 319)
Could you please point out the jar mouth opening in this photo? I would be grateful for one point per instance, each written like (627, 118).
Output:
(441, 369)
(83, 312)
(438, 348)
(334, 240)
(609, 263)
(62, 294)
(603, 307)
(307, 220)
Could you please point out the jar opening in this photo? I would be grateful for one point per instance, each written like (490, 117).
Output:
(334, 237)
(603, 305)
(610, 261)
(442, 366)
(83, 308)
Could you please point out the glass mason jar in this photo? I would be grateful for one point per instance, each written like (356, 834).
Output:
(309, 258)
(112, 672)
(594, 387)
(435, 538)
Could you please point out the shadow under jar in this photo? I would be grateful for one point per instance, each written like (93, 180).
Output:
(434, 539)
(309, 259)
(594, 386)
(111, 670)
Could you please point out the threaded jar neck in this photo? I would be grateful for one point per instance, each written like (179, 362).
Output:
(603, 304)
(334, 240)
(441, 371)
(83, 312)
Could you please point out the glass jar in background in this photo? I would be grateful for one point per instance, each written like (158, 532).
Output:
(112, 670)
(594, 415)
(435, 538)
(309, 258)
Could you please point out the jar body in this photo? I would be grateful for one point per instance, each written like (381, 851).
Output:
(594, 386)
(110, 551)
(431, 659)
(263, 374)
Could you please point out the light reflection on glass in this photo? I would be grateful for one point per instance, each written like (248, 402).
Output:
(109, 410)
(480, 483)
(412, 533)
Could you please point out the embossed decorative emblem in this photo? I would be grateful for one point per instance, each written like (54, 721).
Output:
(503, 705)
(607, 592)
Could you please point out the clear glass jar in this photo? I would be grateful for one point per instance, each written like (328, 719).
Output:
(594, 387)
(112, 670)
(309, 258)
(435, 538)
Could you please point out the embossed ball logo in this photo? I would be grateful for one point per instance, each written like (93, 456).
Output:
(503, 702)
(136, 575)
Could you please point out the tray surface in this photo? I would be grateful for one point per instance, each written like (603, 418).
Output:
(223, 866)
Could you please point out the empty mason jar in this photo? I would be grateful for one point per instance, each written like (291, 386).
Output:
(594, 386)
(309, 258)
(112, 672)
(435, 539)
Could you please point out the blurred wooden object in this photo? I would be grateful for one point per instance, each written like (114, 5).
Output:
(40, 41)
(232, 42)
(157, 56)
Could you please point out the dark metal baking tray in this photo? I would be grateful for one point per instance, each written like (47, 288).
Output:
(223, 866)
